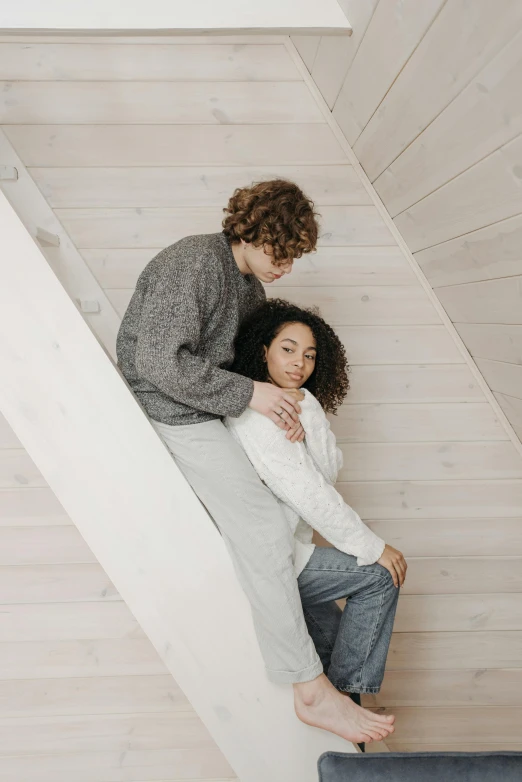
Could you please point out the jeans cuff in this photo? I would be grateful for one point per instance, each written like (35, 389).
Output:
(356, 688)
(294, 677)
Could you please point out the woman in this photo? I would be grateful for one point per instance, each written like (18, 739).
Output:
(293, 347)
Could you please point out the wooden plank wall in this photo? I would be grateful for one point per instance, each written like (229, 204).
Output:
(132, 153)
(428, 97)
(443, 149)
(83, 693)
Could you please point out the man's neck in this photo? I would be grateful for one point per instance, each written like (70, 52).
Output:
(238, 256)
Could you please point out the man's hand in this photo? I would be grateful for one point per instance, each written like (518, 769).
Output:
(281, 405)
(393, 560)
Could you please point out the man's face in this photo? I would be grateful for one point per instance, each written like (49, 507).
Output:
(260, 262)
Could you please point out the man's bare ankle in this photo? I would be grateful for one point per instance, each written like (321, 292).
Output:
(309, 691)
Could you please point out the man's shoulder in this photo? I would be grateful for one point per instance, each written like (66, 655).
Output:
(188, 256)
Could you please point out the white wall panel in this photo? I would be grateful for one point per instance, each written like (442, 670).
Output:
(464, 36)
(483, 117)
(394, 32)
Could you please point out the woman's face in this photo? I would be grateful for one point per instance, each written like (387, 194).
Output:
(291, 356)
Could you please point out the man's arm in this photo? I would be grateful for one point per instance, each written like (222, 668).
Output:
(167, 339)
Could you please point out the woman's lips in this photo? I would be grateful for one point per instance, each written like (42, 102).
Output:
(294, 376)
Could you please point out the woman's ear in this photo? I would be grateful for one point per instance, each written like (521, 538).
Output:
(265, 353)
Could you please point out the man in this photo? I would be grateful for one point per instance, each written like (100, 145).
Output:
(174, 346)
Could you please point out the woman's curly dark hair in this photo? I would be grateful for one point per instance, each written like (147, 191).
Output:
(329, 380)
(274, 212)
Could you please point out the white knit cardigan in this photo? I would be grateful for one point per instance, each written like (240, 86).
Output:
(301, 475)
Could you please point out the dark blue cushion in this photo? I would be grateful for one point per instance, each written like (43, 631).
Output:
(420, 767)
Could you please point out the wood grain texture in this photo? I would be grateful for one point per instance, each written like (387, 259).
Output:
(483, 117)
(485, 254)
(463, 575)
(434, 499)
(443, 689)
(103, 732)
(487, 192)
(43, 545)
(187, 186)
(67, 621)
(29, 61)
(91, 695)
(429, 651)
(79, 658)
(460, 724)
(335, 54)
(384, 423)
(167, 765)
(8, 439)
(17, 470)
(502, 377)
(422, 90)
(30, 507)
(429, 461)
(174, 145)
(157, 102)
(55, 582)
(446, 537)
(491, 301)
(389, 41)
(458, 612)
(493, 341)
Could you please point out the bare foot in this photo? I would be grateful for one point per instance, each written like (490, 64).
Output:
(319, 704)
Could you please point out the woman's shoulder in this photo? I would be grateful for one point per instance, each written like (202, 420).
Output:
(311, 404)
(310, 398)
(251, 422)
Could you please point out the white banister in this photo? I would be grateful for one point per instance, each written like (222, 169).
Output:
(81, 425)
(303, 17)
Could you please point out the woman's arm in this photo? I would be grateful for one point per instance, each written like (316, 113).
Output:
(292, 475)
(320, 440)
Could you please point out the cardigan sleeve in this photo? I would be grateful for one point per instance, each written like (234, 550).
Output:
(292, 475)
(320, 441)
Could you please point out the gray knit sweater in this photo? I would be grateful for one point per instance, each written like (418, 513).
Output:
(176, 340)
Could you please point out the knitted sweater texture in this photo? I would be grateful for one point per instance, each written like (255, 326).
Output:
(301, 475)
(175, 344)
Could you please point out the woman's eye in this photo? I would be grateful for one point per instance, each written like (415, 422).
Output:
(289, 350)
(312, 357)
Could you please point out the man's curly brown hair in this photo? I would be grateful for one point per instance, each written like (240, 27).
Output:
(275, 212)
(329, 380)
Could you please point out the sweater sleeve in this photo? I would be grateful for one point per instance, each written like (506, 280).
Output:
(168, 337)
(292, 475)
(320, 441)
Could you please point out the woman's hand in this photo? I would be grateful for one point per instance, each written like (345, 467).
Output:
(393, 560)
(281, 405)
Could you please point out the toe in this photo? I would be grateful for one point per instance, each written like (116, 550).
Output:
(375, 735)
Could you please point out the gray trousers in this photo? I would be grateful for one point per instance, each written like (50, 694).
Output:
(258, 538)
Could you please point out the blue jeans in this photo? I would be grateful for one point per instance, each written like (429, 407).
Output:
(352, 643)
